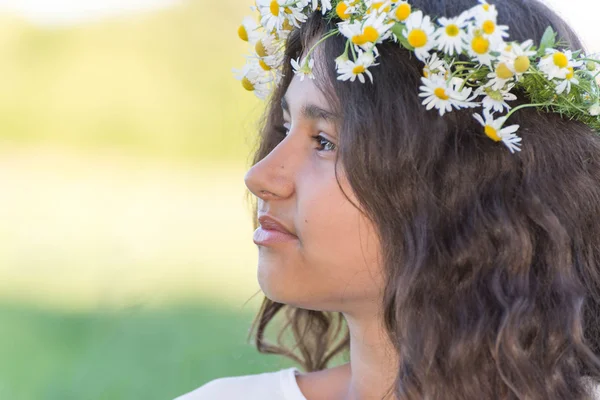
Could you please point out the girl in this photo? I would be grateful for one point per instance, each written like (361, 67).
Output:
(445, 264)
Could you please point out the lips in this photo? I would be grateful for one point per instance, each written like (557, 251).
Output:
(268, 222)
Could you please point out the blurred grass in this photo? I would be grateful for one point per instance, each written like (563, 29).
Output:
(133, 353)
(158, 84)
(93, 230)
(126, 253)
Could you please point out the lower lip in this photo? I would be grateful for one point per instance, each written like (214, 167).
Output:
(269, 236)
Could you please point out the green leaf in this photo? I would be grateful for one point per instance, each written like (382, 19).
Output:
(397, 30)
(548, 41)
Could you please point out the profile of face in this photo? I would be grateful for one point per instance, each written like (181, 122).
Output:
(334, 263)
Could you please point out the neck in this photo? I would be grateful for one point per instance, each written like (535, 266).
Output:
(373, 360)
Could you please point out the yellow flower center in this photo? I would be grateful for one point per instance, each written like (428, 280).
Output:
(426, 72)
(359, 39)
(371, 34)
(570, 74)
(359, 69)
(260, 49)
(287, 26)
(247, 84)
(489, 27)
(503, 71)
(288, 10)
(377, 6)
(341, 10)
(243, 33)
(486, 7)
(403, 11)
(441, 93)
(508, 47)
(274, 7)
(452, 30)
(560, 60)
(417, 38)
(264, 65)
(492, 133)
(522, 64)
(480, 45)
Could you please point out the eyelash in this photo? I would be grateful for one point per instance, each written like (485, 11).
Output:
(283, 130)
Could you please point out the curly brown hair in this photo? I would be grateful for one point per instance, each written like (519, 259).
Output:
(491, 259)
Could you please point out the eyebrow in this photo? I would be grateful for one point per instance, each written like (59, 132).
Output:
(312, 111)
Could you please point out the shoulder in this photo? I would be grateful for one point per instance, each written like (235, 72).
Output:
(263, 386)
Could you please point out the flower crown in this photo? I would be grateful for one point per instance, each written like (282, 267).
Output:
(468, 63)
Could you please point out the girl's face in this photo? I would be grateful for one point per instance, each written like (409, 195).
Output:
(333, 264)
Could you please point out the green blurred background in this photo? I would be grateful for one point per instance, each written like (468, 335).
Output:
(127, 267)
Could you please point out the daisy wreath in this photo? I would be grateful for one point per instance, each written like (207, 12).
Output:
(468, 61)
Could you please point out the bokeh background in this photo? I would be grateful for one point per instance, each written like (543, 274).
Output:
(127, 267)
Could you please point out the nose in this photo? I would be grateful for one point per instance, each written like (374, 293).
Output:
(273, 176)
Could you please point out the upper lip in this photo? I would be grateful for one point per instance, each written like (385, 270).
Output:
(268, 222)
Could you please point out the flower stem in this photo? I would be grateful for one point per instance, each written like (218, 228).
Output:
(525, 106)
(328, 35)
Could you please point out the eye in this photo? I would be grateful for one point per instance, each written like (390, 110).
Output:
(320, 139)
(329, 146)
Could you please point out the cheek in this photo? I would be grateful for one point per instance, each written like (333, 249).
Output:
(340, 251)
(335, 263)
(340, 241)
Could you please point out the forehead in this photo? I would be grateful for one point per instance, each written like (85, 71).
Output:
(301, 91)
(306, 101)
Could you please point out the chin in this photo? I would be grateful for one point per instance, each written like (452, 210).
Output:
(270, 281)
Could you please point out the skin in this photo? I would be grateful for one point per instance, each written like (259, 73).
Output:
(334, 264)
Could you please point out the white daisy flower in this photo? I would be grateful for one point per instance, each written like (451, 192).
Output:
(495, 99)
(351, 30)
(270, 63)
(443, 94)
(294, 17)
(285, 31)
(594, 110)
(451, 35)
(367, 33)
(500, 76)
(420, 33)
(266, 45)
(378, 6)
(353, 69)
(341, 59)
(272, 14)
(483, 11)
(402, 10)
(255, 79)
(345, 9)
(325, 5)
(488, 25)
(555, 64)
(248, 30)
(435, 65)
(479, 48)
(516, 56)
(565, 84)
(303, 68)
(494, 130)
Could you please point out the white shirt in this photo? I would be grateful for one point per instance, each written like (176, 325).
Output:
(278, 385)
